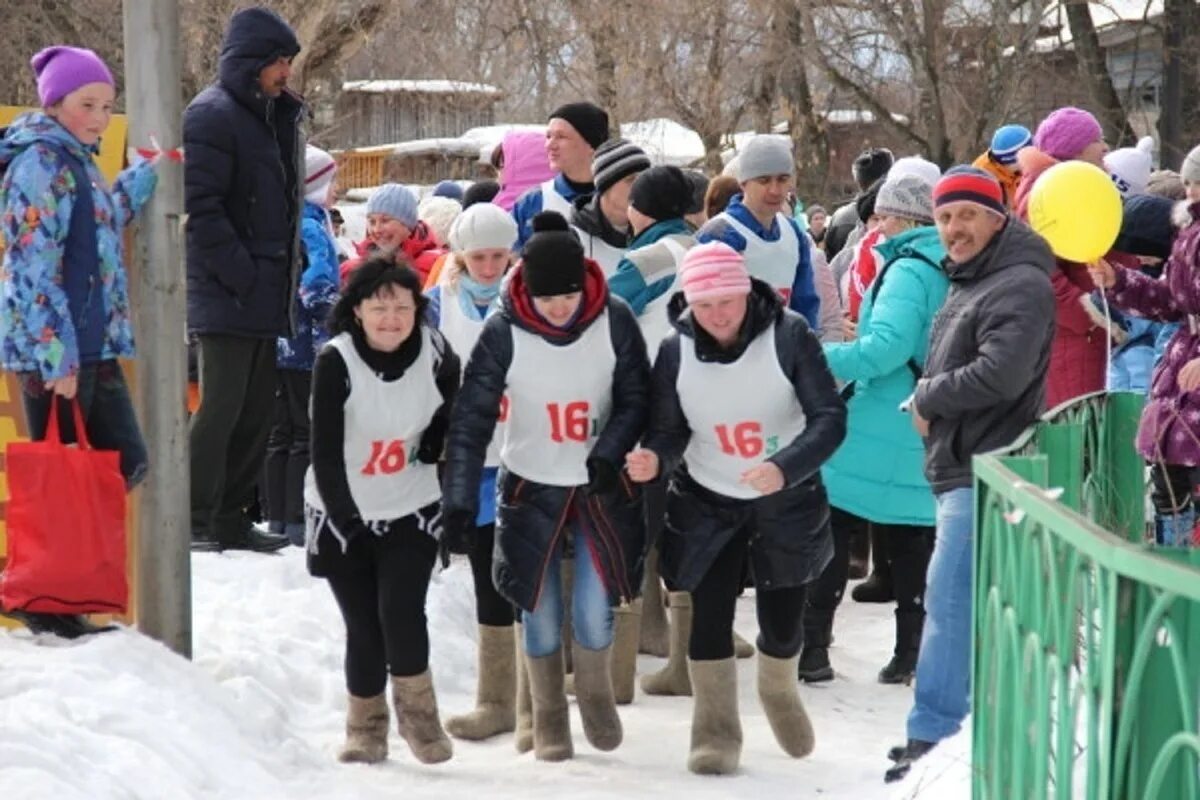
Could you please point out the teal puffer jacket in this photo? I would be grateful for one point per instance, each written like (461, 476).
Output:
(877, 473)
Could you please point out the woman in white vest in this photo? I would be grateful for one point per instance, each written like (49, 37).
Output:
(573, 365)
(381, 397)
(482, 237)
(744, 484)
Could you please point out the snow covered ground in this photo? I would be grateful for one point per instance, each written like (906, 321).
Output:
(259, 712)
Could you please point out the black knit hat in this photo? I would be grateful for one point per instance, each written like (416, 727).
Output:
(614, 160)
(552, 261)
(871, 165)
(1146, 228)
(590, 120)
(699, 183)
(661, 193)
(480, 192)
(864, 204)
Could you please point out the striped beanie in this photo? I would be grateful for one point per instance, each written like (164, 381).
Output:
(1009, 140)
(713, 269)
(966, 184)
(614, 160)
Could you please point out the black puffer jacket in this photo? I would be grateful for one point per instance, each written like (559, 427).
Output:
(243, 182)
(531, 517)
(791, 542)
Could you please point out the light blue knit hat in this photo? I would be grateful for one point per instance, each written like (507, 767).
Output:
(397, 201)
(1008, 141)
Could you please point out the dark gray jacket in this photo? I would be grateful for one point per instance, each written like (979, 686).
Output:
(985, 375)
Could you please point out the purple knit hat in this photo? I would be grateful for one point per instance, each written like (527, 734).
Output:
(1066, 133)
(61, 70)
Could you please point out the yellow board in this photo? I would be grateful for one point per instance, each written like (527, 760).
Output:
(112, 147)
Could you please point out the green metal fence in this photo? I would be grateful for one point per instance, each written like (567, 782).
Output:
(1087, 640)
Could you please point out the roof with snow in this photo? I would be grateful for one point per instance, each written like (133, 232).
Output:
(420, 87)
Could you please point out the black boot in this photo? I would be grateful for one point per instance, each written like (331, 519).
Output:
(66, 626)
(878, 587)
(814, 657)
(905, 757)
(903, 665)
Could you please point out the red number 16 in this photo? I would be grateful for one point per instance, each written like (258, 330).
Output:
(569, 421)
(386, 457)
(746, 441)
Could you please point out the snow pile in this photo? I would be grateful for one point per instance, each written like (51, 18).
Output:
(420, 87)
(260, 712)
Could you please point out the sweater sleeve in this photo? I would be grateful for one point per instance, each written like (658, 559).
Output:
(1145, 296)
(330, 390)
(804, 299)
(448, 373)
(630, 389)
(719, 230)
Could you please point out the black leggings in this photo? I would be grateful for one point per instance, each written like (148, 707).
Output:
(380, 588)
(490, 607)
(714, 601)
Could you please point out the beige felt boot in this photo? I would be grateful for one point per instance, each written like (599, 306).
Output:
(495, 705)
(673, 678)
(654, 638)
(366, 730)
(627, 622)
(417, 718)
(716, 727)
(779, 692)
(594, 694)
(741, 647)
(551, 717)
(524, 733)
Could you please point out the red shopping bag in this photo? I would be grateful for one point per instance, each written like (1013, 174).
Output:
(66, 526)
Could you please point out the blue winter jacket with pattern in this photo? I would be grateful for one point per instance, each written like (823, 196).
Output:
(39, 191)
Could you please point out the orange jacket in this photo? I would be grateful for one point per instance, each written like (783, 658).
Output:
(1008, 178)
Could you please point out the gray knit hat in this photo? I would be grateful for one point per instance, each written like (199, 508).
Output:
(614, 160)
(765, 154)
(1190, 171)
(907, 196)
(397, 201)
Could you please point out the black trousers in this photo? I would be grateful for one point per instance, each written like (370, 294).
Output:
(490, 607)
(714, 601)
(228, 434)
(1173, 486)
(909, 548)
(380, 588)
(287, 448)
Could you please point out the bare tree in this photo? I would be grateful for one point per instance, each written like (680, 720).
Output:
(1094, 72)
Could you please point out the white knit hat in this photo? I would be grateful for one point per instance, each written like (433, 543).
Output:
(907, 195)
(483, 226)
(927, 171)
(1190, 171)
(1130, 167)
(439, 214)
(319, 170)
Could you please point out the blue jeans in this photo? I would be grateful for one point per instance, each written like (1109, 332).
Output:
(942, 697)
(107, 411)
(591, 615)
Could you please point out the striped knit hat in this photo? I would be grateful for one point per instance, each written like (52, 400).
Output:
(713, 269)
(966, 184)
(614, 160)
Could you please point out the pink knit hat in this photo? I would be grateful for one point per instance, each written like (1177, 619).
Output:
(61, 70)
(1066, 133)
(713, 270)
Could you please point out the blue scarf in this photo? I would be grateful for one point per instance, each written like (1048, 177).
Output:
(475, 298)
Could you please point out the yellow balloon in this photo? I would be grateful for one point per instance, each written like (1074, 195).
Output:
(1077, 209)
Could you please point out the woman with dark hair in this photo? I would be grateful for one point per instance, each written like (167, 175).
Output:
(381, 397)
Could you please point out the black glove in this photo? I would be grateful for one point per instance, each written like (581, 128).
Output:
(603, 477)
(354, 528)
(458, 533)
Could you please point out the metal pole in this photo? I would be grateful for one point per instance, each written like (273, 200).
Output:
(153, 103)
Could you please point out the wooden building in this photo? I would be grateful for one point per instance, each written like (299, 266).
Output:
(377, 112)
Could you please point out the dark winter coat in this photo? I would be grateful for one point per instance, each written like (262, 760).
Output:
(243, 185)
(1169, 432)
(532, 517)
(989, 349)
(791, 542)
